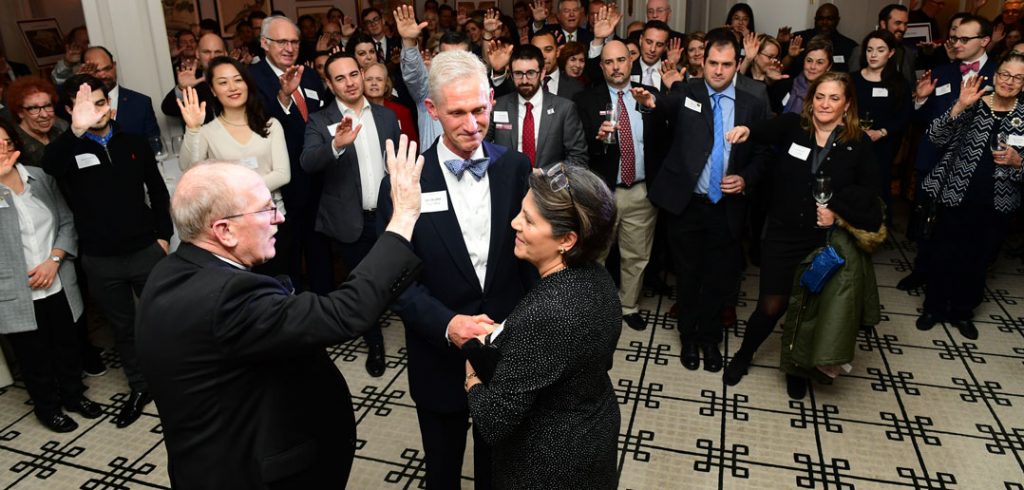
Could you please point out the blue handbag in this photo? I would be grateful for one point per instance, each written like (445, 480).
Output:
(822, 268)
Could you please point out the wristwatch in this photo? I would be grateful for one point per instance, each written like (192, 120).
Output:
(56, 259)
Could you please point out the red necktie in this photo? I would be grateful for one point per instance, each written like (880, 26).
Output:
(529, 145)
(300, 102)
(966, 68)
(627, 161)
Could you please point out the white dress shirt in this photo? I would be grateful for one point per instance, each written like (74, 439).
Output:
(553, 83)
(37, 228)
(651, 74)
(471, 202)
(538, 104)
(367, 146)
(287, 109)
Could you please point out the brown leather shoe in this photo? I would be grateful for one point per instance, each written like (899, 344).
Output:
(729, 316)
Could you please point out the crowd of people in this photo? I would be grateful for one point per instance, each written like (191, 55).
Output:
(506, 185)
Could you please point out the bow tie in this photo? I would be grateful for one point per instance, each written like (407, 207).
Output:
(476, 166)
(966, 68)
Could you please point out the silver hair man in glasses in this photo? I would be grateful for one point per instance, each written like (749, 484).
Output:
(236, 362)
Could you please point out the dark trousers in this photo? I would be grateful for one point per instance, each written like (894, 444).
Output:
(353, 253)
(114, 283)
(706, 257)
(311, 247)
(49, 356)
(962, 248)
(444, 444)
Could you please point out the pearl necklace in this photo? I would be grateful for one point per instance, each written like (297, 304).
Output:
(229, 123)
(990, 100)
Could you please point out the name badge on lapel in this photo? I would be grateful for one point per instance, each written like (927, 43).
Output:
(785, 100)
(433, 202)
(838, 59)
(879, 92)
(692, 105)
(311, 94)
(800, 152)
(501, 116)
(86, 160)
(1015, 140)
(943, 90)
(551, 111)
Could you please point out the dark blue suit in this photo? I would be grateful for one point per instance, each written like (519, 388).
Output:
(135, 113)
(448, 286)
(302, 194)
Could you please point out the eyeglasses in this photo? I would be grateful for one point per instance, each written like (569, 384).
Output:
(962, 40)
(272, 210)
(283, 43)
(34, 110)
(559, 180)
(658, 11)
(1006, 76)
(770, 58)
(529, 74)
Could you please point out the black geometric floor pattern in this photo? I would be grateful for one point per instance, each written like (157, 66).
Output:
(920, 410)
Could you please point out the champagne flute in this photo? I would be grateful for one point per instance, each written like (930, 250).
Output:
(612, 137)
(823, 191)
(866, 122)
(999, 143)
(159, 151)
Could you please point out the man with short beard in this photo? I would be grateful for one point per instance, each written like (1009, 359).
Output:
(542, 126)
(893, 18)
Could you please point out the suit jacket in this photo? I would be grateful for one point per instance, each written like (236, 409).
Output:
(449, 285)
(559, 136)
(692, 141)
(239, 373)
(19, 69)
(758, 89)
(604, 159)
(340, 214)
(17, 312)
(135, 113)
(946, 76)
(302, 191)
(568, 86)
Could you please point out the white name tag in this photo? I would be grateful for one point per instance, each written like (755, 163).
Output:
(311, 94)
(87, 160)
(634, 78)
(501, 116)
(433, 202)
(1015, 140)
(943, 90)
(250, 163)
(551, 111)
(839, 59)
(692, 105)
(801, 152)
(785, 100)
(879, 92)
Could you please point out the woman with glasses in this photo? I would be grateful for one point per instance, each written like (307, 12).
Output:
(788, 95)
(764, 65)
(883, 101)
(824, 140)
(31, 99)
(548, 408)
(977, 189)
(240, 132)
(41, 301)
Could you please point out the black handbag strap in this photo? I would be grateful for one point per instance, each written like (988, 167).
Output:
(818, 156)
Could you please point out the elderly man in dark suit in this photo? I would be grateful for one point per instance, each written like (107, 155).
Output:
(248, 396)
(291, 93)
(345, 142)
(132, 111)
(471, 278)
(629, 166)
(541, 125)
(701, 190)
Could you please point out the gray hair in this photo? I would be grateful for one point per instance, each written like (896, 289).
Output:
(269, 21)
(206, 192)
(450, 66)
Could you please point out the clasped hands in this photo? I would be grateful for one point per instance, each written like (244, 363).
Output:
(462, 328)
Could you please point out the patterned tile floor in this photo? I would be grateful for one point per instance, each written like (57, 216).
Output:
(921, 410)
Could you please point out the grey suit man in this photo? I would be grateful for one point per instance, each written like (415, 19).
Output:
(345, 142)
(557, 133)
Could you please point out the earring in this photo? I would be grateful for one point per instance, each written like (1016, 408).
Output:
(561, 251)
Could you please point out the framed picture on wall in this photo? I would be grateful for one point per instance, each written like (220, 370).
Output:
(318, 8)
(44, 40)
(229, 12)
(181, 15)
(918, 33)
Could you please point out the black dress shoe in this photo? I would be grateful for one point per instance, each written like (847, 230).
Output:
(967, 329)
(913, 280)
(132, 409)
(86, 407)
(926, 321)
(796, 387)
(736, 370)
(375, 361)
(712, 357)
(58, 422)
(92, 364)
(691, 356)
(635, 321)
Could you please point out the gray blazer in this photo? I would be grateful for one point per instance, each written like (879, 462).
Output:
(16, 311)
(340, 215)
(559, 137)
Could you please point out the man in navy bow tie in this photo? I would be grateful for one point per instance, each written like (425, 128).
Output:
(471, 279)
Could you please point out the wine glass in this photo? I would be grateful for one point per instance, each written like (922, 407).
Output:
(823, 191)
(866, 122)
(160, 148)
(612, 137)
(999, 143)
